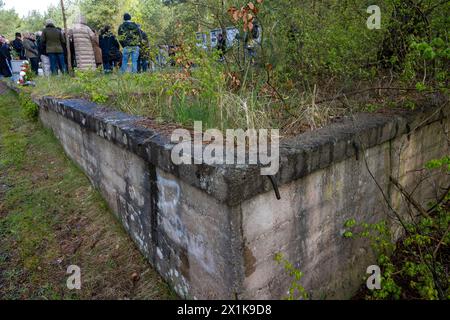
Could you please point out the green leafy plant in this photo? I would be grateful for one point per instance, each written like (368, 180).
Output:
(312, 63)
(430, 58)
(439, 163)
(29, 108)
(296, 290)
(416, 266)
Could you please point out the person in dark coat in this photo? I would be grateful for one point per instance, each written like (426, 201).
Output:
(55, 43)
(144, 52)
(5, 59)
(221, 45)
(31, 51)
(130, 38)
(17, 45)
(110, 49)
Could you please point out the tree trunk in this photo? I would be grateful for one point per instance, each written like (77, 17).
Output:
(69, 53)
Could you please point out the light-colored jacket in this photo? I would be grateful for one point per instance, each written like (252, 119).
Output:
(83, 37)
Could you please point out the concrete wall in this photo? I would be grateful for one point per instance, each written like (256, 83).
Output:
(308, 223)
(212, 232)
(182, 231)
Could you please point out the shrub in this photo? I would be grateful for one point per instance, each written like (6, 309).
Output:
(416, 266)
(29, 108)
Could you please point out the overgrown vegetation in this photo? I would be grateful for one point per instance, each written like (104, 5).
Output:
(314, 61)
(50, 218)
(29, 109)
(417, 266)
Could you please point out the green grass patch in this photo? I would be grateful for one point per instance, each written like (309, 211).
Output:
(51, 217)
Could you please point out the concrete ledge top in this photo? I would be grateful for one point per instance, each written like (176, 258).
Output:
(232, 185)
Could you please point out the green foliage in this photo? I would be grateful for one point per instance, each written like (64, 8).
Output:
(421, 87)
(165, 24)
(439, 163)
(348, 234)
(308, 52)
(318, 39)
(29, 108)
(296, 290)
(92, 83)
(177, 95)
(302, 42)
(370, 107)
(54, 12)
(45, 192)
(10, 22)
(350, 223)
(95, 12)
(431, 57)
(417, 265)
(33, 22)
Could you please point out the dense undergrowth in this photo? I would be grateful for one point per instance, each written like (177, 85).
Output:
(314, 62)
(418, 265)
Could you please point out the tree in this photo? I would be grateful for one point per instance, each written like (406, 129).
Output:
(101, 12)
(33, 22)
(10, 21)
(412, 19)
(54, 12)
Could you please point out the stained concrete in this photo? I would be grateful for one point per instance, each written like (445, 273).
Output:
(213, 231)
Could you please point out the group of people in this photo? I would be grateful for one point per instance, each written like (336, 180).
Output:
(88, 49)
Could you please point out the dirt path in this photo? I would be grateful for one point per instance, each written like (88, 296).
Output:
(51, 217)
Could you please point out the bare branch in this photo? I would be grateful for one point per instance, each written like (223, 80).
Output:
(410, 199)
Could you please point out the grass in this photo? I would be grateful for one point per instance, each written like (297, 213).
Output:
(182, 97)
(165, 96)
(51, 217)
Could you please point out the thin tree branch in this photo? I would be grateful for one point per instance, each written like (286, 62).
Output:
(408, 197)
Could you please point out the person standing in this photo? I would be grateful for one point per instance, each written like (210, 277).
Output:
(97, 50)
(162, 56)
(17, 45)
(5, 58)
(144, 52)
(31, 51)
(221, 46)
(45, 61)
(83, 39)
(130, 40)
(54, 42)
(252, 41)
(110, 49)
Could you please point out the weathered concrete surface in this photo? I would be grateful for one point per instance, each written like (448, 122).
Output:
(307, 224)
(213, 231)
(171, 222)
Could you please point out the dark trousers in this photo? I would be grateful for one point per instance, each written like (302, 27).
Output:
(142, 64)
(34, 64)
(107, 65)
(5, 67)
(57, 62)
